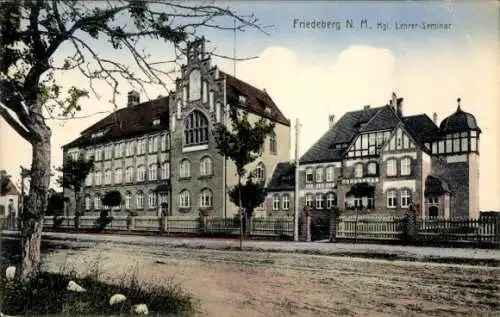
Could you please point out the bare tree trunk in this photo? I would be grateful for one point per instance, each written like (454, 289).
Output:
(77, 211)
(36, 204)
(241, 212)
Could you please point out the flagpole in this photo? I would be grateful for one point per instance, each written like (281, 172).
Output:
(297, 182)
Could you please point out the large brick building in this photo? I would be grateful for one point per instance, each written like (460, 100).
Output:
(163, 153)
(381, 159)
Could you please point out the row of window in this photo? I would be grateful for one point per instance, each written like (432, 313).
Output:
(140, 175)
(456, 143)
(154, 200)
(282, 202)
(205, 167)
(205, 199)
(368, 144)
(404, 198)
(127, 148)
(317, 175)
(321, 201)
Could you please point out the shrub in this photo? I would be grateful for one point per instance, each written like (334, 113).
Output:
(30, 298)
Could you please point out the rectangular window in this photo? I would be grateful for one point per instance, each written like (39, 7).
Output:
(205, 92)
(441, 147)
(391, 199)
(449, 148)
(330, 173)
(473, 144)
(391, 168)
(286, 202)
(371, 139)
(276, 202)
(364, 141)
(434, 147)
(319, 174)
(309, 200)
(319, 201)
(465, 144)
(456, 145)
(211, 100)
(406, 166)
(309, 175)
(405, 198)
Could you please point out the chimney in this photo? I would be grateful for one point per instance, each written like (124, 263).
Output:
(366, 107)
(394, 101)
(331, 121)
(399, 106)
(435, 118)
(133, 98)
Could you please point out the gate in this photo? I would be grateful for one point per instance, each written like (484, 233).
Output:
(320, 226)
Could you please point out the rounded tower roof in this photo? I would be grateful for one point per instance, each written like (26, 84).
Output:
(460, 121)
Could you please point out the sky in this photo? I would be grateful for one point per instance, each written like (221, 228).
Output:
(311, 72)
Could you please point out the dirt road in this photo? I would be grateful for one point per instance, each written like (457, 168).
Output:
(244, 284)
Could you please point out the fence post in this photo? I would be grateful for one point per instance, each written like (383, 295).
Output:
(410, 223)
(334, 219)
(306, 224)
(130, 222)
(164, 224)
(204, 212)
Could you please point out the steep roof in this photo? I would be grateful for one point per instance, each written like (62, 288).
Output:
(342, 132)
(384, 119)
(459, 121)
(256, 99)
(283, 178)
(435, 186)
(127, 122)
(421, 127)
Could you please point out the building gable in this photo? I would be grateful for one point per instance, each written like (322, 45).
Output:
(400, 140)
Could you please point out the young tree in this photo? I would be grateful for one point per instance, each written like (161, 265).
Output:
(112, 199)
(241, 143)
(74, 173)
(253, 194)
(36, 34)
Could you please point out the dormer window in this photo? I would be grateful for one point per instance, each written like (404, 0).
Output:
(156, 122)
(242, 99)
(267, 110)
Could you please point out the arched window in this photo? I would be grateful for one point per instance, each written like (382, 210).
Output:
(406, 166)
(309, 200)
(391, 167)
(97, 201)
(140, 199)
(320, 203)
(153, 172)
(129, 174)
(97, 178)
(185, 168)
(194, 84)
(358, 170)
(205, 166)
(405, 195)
(372, 168)
(206, 198)
(184, 199)
(276, 202)
(285, 201)
(107, 177)
(195, 128)
(309, 175)
(273, 146)
(128, 200)
(165, 170)
(319, 174)
(118, 176)
(391, 199)
(260, 172)
(88, 202)
(331, 200)
(152, 200)
(141, 173)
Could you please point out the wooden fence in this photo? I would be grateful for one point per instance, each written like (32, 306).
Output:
(370, 228)
(265, 227)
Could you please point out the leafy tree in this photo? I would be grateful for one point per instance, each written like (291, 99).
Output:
(43, 39)
(55, 203)
(253, 195)
(4, 181)
(112, 199)
(74, 173)
(241, 143)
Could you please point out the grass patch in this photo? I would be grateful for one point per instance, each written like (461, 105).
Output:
(46, 294)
